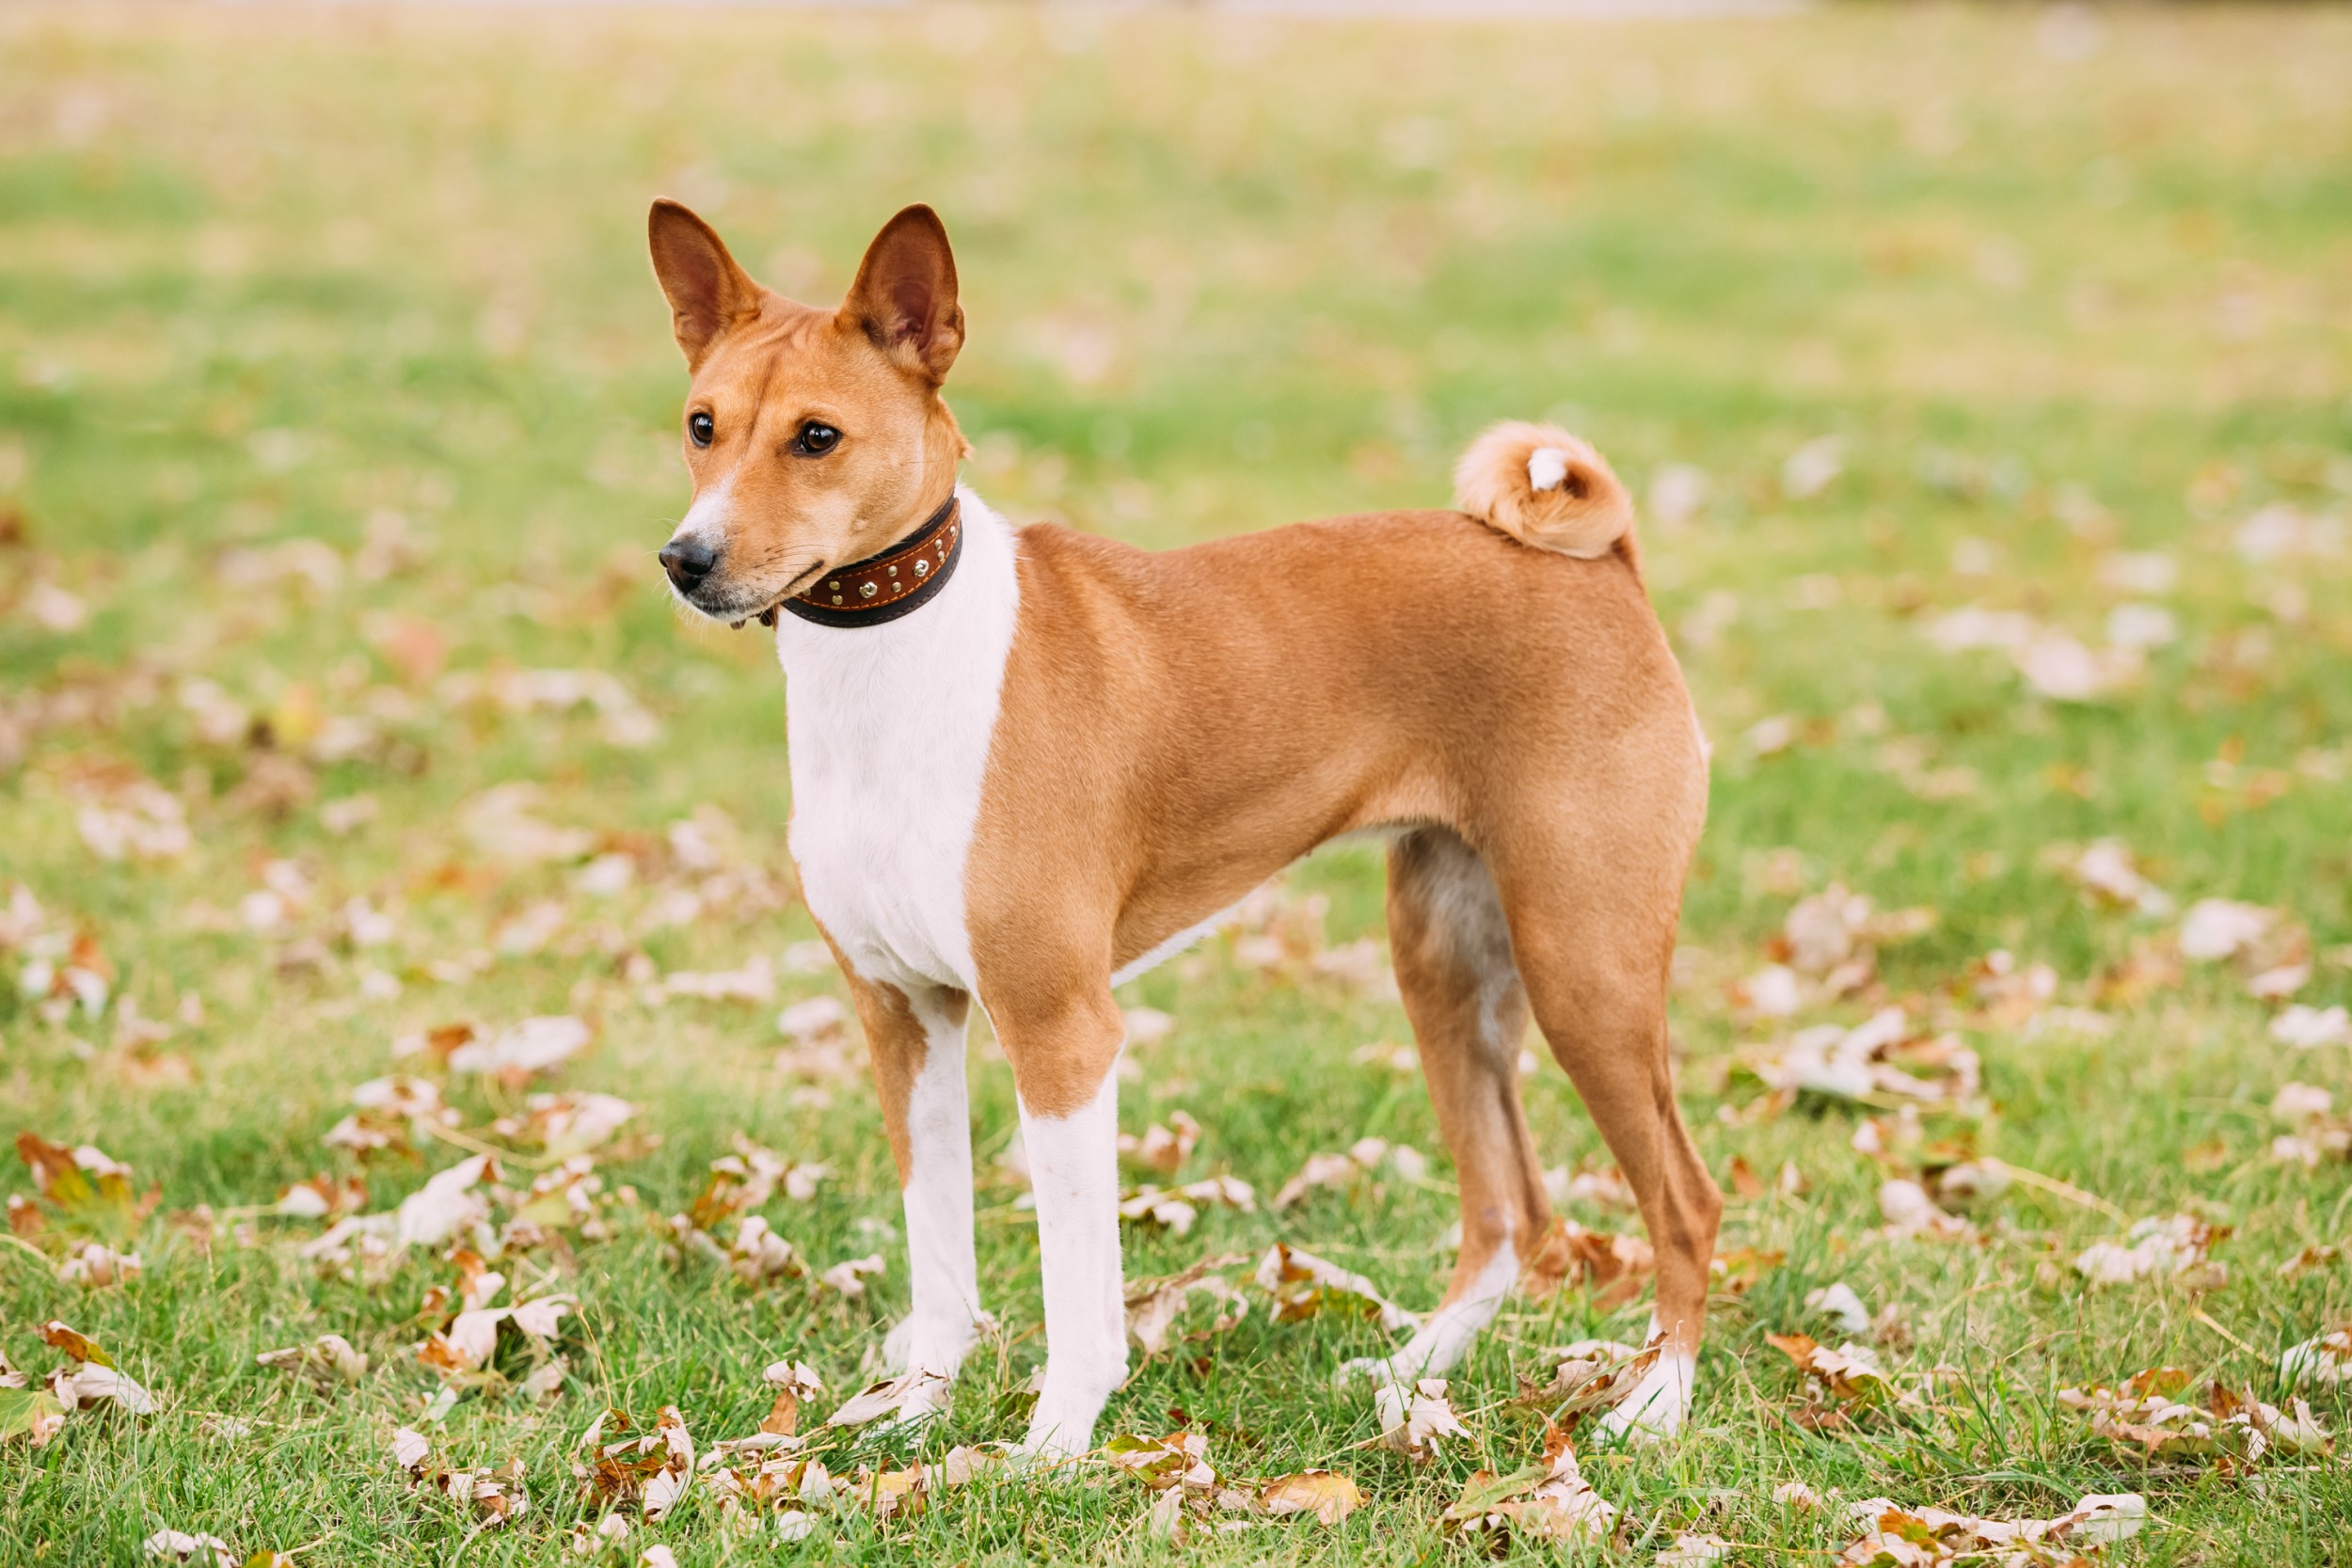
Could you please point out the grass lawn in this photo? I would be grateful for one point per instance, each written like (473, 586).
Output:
(1988, 377)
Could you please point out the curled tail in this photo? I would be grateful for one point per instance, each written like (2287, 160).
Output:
(1545, 488)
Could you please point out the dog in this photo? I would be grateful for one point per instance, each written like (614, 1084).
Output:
(1027, 765)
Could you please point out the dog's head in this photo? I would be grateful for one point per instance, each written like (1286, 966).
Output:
(815, 438)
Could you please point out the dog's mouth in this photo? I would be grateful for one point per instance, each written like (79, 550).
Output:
(766, 616)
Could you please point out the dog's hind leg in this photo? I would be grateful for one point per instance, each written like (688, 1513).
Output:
(1593, 925)
(1468, 1012)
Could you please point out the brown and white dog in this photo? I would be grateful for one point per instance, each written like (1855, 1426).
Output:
(1029, 764)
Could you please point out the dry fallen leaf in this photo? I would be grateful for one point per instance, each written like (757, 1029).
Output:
(1926, 1537)
(1153, 1305)
(1850, 1373)
(794, 1382)
(1178, 1461)
(180, 1546)
(1591, 1375)
(325, 1361)
(909, 1389)
(655, 1467)
(95, 1378)
(2324, 1358)
(2229, 1426)
(2175, 1245)
(1178, 1208)
(1363, 1157)
(849, 1278)
(1327, 1495)
(1414, 1422)
(1302, 1285)
(1546, 1501)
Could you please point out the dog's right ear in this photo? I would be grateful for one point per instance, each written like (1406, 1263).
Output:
(707, 290)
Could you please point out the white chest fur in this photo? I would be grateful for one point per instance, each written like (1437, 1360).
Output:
(889, 729)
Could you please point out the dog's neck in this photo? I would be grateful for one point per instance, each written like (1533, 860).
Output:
(894, 582)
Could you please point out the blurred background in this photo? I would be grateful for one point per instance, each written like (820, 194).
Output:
(1984, 373)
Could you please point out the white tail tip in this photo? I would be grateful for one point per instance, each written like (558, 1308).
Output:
(1543, 487)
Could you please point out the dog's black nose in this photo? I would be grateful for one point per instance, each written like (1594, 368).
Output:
(687, 562)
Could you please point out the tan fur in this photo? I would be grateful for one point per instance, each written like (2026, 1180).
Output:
(1586, 513)
(897, 1044)
(1176, 727)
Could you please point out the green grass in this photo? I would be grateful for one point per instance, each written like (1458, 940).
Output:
(269, 276)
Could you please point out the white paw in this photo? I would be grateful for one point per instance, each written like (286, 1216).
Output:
(1053, 1440)
(1654, 1410)
(1062, 1425)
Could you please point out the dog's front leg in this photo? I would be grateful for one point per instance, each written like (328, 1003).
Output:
(1062, 1059)
(917, 1042)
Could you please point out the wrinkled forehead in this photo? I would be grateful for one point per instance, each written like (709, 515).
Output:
(793, 358)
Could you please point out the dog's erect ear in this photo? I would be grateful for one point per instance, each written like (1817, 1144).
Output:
(904, 297)
(707, 290)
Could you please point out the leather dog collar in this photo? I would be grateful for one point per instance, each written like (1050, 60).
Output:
(886, 586)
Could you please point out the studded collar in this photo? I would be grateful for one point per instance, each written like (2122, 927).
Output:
(886, 586)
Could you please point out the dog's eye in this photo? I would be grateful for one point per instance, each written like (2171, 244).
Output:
(816, 439)
(699, 426)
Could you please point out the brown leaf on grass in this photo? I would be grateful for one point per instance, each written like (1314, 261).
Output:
(35, 1415)
(1327, 1495)
(2153, 965)
(749, 1179)
(2174, 1246)
(94, 1265)
(1414, 1423)
(1364, 1157)
(1745, 1183)
(849, 1278)
(1303, 1285)
(535, 1045)
(1163, 1149)
(95, 1378)
(322, 1197)
(1924, 1538)
(446, 1204)
(1568, 1254)
(86, 1192)
(393, 1113)
(888, 1397)
(1591, 1375)
(2109, 871)
(173, 1545)
(1177, 1208)
(567, 1124)
(2231, 1425)
(793, 1381)
(1880, 1060)
(1850, 1373)
(2324, 1358)
(1735, 1271)
(495, 1497)
(2311, 1259)
(654, 1467)
(1179, 1459)
(759, 1254)
(1153, 1305)
(325, 1361)
(470, 1340)
(1550, 1500)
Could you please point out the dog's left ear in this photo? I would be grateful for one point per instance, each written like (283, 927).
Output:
(904, 298)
